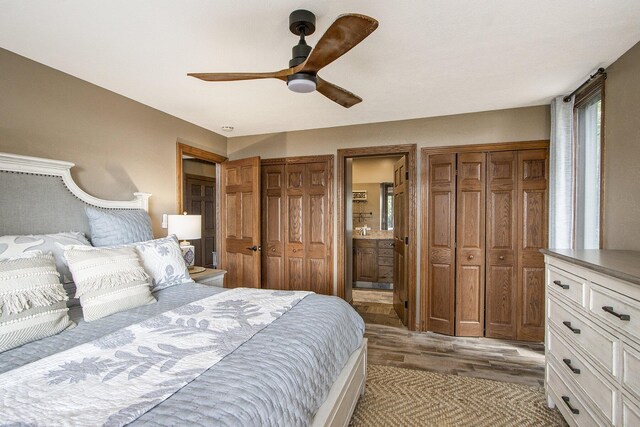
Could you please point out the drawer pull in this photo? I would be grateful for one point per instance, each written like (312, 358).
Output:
(568, 363)
(559, 283)
(571, 408)
(609, 310)
(568, 325)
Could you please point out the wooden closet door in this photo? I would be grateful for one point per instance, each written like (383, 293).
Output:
(317, 247)
(470, 245)
(533, 236)
(295, 227)
(240, 222)
(273, 227)
(442, 236)
(502, 226)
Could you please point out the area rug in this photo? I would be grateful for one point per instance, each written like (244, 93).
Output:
(408, 397)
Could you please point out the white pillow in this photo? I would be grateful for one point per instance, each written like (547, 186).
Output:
(108, 280)
(32, 300)
(162, 260)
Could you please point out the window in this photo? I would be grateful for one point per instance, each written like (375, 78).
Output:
(386, 206)
(588, 168)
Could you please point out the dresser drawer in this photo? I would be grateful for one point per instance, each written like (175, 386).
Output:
(385, 244)
(570, 405)
(630, 413)
(385, 252)
(385, 261)
(631, 370)
(619, 311)
(582, 332)
(603, 394)
(365, 243)
(569, 286)
(385, 273)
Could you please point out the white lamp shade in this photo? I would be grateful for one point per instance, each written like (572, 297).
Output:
(185, 226)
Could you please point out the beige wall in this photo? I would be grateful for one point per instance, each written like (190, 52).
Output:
(373, 169)
(118, 145)
(521, 124)
(195, 167)
(622, 153)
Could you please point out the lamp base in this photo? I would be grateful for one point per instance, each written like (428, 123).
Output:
(188, 253)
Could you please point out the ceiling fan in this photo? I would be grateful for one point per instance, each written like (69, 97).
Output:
(302, 75)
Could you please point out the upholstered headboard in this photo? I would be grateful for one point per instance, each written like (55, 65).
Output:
(39, 196)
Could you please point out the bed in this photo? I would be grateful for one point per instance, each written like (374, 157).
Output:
(306, 367)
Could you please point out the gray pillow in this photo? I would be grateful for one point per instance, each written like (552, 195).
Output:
(32, 300)
(118, 227)
(11, 246)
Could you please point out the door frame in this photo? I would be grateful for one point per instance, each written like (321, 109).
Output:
(201, 154)
(410, 151)
(425, 152)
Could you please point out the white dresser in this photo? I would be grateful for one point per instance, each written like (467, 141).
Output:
(593, 336)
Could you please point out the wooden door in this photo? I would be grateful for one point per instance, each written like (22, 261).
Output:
(295, 229)
(240, 222)
(400, 239)
(441, 246)
(470, 244)
(200, 199)
(533, 236)
(502, 227)
(317, 246)
(273, 226)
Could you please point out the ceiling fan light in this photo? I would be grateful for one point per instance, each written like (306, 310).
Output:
(301, 83)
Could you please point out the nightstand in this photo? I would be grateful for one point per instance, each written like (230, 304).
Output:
(210, 277)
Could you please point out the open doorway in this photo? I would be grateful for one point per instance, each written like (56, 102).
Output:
(197, 194)
(372, 254)
(377, 232)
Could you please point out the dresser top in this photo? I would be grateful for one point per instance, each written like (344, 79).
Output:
(623, 265)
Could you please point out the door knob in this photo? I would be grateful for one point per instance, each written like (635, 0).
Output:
(470, 256)
(273, 249)
(501, 257)
(253, 248)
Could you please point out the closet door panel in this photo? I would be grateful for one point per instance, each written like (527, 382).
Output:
(533, 221)
(441, 248)
(501, 278)
(470, 244)
(295, 229)
(273, 227)
(316, 222)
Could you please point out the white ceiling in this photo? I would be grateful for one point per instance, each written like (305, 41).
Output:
(427, 58)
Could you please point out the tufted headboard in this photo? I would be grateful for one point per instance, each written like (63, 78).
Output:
(39, 196)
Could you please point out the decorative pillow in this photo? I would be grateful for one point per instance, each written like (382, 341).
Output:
(113, 228)
(11, 246)
(32, 300)
(108, 280)
(162, 260)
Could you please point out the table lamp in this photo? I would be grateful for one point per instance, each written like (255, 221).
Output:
(186, 227)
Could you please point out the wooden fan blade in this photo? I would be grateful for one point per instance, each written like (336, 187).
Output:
(337, 94)
(227, 77)
(344, 34)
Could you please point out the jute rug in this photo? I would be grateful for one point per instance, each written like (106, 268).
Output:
(407, 397)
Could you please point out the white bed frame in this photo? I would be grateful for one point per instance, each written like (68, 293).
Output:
(337, 409)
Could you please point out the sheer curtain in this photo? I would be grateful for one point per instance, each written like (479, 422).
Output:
(561, 174)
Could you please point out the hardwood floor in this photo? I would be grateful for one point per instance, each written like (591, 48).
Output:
(390, 343)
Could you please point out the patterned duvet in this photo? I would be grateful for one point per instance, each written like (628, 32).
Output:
(279, 377)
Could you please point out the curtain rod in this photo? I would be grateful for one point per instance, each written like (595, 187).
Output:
(600, 72)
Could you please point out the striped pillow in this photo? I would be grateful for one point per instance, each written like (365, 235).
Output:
(32, 300)
(108, 280)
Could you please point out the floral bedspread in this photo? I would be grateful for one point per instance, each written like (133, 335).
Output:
(115, 379)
